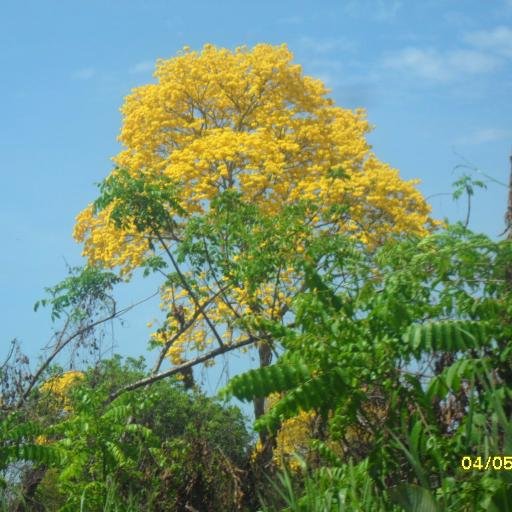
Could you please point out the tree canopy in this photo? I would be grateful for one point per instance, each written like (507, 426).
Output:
(249, 124)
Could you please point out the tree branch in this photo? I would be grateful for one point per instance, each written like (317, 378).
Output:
(62, 344)
(210, 265)
(185, 328)
(177, 369)
(189, 290)
(9, 355)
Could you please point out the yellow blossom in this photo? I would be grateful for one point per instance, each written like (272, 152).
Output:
(248, 119)
(61, 384)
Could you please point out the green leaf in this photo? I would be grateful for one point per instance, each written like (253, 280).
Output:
(263, 381)
(413, 498)
(446, 335)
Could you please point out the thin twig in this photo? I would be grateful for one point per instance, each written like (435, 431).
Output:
(9, 355)
(185, 328)
(61, 344)
(188, 289)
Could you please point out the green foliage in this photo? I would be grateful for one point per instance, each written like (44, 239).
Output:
(363, 324)
(466, 185)
(80, 293)
(235, 241)
(413, 498)
(270, 379)
(448, 335)
(153, 264)
(149, 445)
(18, 443)
(402, 351)
(328, 489)
(140, 203)
(316, 393)
(150, 449)
(452, 377)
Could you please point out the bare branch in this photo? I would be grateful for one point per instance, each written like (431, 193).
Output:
(62, 343)
(9, 355)
(210, 265)
(189, 290)
(185, 328)
(177, 369)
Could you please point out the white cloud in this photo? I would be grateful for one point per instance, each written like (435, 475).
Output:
(326, 45)
(387, 10)
(437, 66)
(328, 79)
(497, 40)
(485, 135)
(459, 18)
(84, 74)
(472, 62)
(378, 10)
(142, 67)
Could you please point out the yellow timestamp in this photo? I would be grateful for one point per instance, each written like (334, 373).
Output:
(489, 463)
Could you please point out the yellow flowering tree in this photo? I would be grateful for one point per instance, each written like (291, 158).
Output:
(60, 384)
(233, 162)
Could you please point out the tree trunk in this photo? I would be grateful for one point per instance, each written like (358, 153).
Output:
(31, 480)
(505, 369)
(508, 214)
(267, 440)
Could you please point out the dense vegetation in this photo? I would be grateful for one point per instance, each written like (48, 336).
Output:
(383, 337)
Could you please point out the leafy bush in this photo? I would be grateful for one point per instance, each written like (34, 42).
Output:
(160, 448)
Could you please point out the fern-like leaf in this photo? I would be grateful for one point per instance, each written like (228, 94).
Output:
(451, 378)
(326, 453)
(446, 335)
(263, 381)
(316, 393)
(31, 452)
(117, 414)
(119, 457)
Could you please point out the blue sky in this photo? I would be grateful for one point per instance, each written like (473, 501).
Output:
(434, 76)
